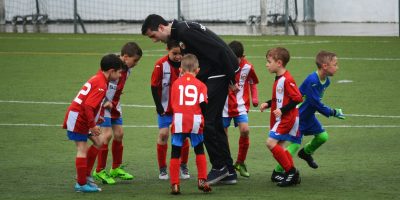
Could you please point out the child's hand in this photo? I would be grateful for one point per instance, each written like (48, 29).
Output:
(337, 112)
(263, 106)
(108, 105)
(277, 113)
(100, 120)
(95, 130)
(234, 88)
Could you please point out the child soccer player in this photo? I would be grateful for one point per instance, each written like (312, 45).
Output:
(284, 120)
(188, 102)
(313, 89)
(82, 115)
(112, 125)
(166, 71)
(237, 105)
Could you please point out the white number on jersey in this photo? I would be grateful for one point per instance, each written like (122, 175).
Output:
(190, 91)
(83, 92)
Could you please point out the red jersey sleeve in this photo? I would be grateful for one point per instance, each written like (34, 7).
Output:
(252, 77)
(293, 91)
(156, 76)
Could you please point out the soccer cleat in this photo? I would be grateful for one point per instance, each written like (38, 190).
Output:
(103, 177)
(216, 175)
(86, 188)
(175, 189)
(119, 172)
(242, 169)
(90, 181)
(292, 177)
(308, 158)
(184, 174)
(163, 174)
(277, 176)
(203, 185)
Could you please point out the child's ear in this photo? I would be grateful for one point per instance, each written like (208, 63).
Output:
(180, 69)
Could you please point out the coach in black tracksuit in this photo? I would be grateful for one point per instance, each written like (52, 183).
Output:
(218, 65)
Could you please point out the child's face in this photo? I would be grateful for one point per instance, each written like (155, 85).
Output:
(272, 65)
(175, 54)
(331, 67)
(115, 74)
(131, 61)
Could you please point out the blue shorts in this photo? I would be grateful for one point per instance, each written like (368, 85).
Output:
(236, 120)
(178, 138)
(78, 137)
(164, 121)
(310, 126)
(285, 137)
(108, 122)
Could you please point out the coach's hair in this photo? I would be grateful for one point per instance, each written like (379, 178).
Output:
(110, 61)
(172, 44)
(152, 22)
(237, 48)
(189, 63)
(279, 53)
(131, 49)
(324, 57)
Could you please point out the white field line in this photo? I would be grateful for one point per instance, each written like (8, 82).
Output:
(156, 126)
(151, 106)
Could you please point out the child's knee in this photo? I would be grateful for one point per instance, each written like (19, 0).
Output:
(323, 137)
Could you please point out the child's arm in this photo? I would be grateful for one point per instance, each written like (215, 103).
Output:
(254, 94)
(157, 101)
(313, 96)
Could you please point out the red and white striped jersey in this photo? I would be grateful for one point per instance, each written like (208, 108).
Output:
(114, 93)
(187, 93)
(164, 74)
(284, 90)
(77, 118)
(239, 103)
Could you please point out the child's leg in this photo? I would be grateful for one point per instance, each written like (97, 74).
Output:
(201, 161)
(316, 142)
(174, 164)
(106, 135)
(279, 154)
(243, 142)
(292, 148)
(185, 152)
(81, 162)
(162, 147)
(92, 153)
(117, 147)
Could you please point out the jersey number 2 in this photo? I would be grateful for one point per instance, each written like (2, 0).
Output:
(190, 91)
(83, 92)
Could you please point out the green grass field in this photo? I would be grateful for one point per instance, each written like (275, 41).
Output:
(42, 73)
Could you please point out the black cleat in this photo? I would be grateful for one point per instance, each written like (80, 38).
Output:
(308, 158)
(292, 177)
(277, 177)
(215, 175)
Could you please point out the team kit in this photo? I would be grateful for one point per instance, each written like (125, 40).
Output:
(199, 87)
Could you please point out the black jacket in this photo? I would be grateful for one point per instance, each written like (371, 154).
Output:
(214, 55)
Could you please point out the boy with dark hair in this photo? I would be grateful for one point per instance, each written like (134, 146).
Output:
(284, 119)
(237, 105)
(82, 116)
(112, 125)
(313, 89)
(188, 102)
(165, 72)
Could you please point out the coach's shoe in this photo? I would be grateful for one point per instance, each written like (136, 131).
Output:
(119, 172)
(216, 175)
(86, 188)
(184, 174)
(292, 177)
(308, 158)
(277, 177)
(103, 177)
(175, 189)
(163, 174)
(242, 169)
(203, 185)
(231, 179)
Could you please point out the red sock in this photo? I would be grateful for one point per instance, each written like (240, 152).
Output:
(80, 164)
(91, 158)
(174, 170)
(117, 149)
(185, 151)
(289, 156)
(243, 147)
(162, 155)
(279, 154)
(201, 164)
(102, 158)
